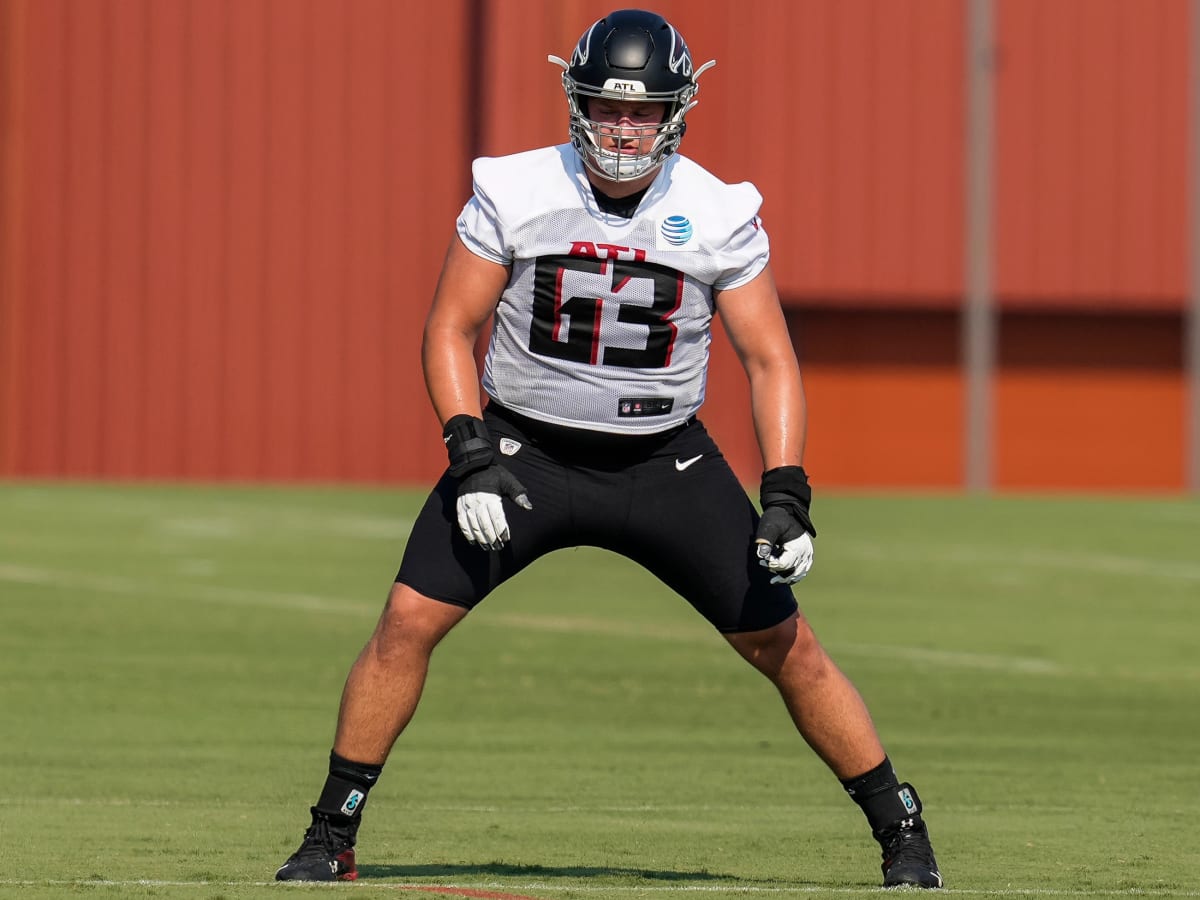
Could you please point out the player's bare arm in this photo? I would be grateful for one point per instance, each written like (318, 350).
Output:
(758, 331)
(466, 294)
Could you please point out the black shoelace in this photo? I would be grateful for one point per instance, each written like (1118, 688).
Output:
(908, 846)
(324, 839)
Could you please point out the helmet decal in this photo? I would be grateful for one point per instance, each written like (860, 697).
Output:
(624, 87)
(584, 47)
(681, 64)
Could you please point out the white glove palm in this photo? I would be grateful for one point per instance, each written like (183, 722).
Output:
(480, 508)
(791, 562)
(482, 521)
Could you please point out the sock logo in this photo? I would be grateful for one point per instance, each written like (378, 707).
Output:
(907, 799)
(353, 801)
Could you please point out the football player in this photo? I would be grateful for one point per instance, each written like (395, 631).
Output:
(604, 261)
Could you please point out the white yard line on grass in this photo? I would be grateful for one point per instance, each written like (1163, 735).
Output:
(1007, 559)
(17, 574)
(956, 659)
(949, 659)
(944, 658)
(285, 521)
(492, 886)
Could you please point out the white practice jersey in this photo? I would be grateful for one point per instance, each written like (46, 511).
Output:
(605, 323)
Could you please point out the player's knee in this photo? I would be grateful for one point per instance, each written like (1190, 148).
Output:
(790, 644)
(412, 621)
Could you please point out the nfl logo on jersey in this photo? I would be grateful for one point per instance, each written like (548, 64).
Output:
(675, 233)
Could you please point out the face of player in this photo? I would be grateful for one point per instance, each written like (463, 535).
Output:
(626, 127)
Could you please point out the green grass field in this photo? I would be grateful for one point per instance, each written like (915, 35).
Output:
(171, 661)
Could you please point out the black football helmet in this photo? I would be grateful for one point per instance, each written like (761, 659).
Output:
(634, 55)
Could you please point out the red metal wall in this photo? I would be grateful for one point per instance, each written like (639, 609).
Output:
(1092, 151)
(1091, 402)
(225, 219)
(221, 222)
(1091, 219)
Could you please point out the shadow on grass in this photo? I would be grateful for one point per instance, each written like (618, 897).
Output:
(499, 869)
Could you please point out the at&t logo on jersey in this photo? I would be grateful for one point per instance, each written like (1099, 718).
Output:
(675, 233)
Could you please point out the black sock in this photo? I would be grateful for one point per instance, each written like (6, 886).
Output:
(883, 799)
(880, 778)
(346, 788)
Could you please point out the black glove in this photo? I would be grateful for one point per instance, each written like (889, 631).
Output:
(782, 539)
(482, 483)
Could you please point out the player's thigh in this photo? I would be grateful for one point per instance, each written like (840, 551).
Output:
(693, 525)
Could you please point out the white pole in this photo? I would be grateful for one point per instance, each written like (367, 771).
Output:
(978, 338)
(1192, 311)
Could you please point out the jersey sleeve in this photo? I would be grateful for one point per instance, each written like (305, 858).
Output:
(747, 248)
(479, 224)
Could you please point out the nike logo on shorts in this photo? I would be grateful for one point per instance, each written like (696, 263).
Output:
(680, 465)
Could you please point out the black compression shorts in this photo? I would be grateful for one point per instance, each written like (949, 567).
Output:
(669, 502)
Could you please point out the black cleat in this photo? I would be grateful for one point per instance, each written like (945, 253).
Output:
(908, 859)
(327, 852)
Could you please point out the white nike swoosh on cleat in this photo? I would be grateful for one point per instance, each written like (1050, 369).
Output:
(680, 465)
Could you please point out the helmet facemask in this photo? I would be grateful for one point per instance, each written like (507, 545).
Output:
(629, 56)
(589, 136)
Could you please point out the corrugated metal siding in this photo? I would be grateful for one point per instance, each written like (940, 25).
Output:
(12, 245)
(863, 138)
(885, 396)
(1091, 161)
(1090, 403)
(231, 217)
(221, 221)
